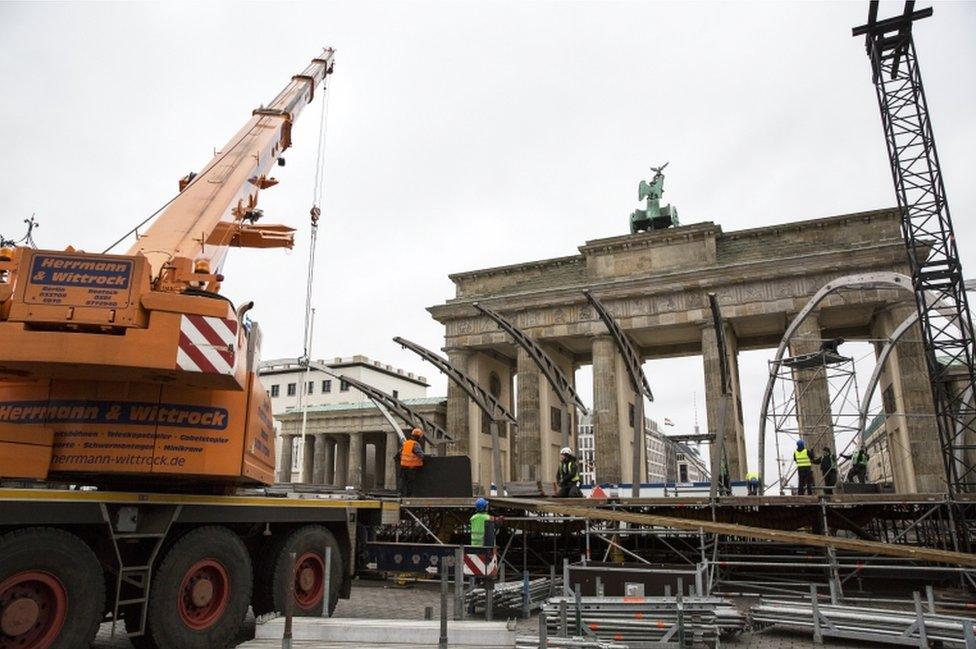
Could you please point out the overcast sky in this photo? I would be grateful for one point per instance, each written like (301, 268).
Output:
(463, 136)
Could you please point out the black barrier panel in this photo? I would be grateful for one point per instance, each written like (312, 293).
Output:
(443, 477)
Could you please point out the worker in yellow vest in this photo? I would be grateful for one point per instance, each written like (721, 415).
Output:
(411, 460)
(804, 468)
(753, 483)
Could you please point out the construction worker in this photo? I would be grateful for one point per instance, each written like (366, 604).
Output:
(482, 524)
(753, 478)
(828, 468)
(725, 480)
(859, 467)
(411, 461)
(568, 477)
(804, 468)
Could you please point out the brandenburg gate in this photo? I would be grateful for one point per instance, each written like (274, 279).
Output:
(656, 283)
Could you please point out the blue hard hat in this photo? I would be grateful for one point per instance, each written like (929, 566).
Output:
(481, 504)
(799, 443)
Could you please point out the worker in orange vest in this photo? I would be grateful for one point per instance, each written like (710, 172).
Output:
(411, 460)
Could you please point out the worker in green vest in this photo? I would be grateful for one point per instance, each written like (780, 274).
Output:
(482, 527)
(753, 479)
(859, 465)
(804, 468)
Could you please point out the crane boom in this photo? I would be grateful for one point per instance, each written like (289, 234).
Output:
(133, 368)
(217, 207)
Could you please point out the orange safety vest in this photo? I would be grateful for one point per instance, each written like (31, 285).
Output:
(407, 458)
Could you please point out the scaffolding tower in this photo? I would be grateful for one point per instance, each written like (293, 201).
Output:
(835, 423)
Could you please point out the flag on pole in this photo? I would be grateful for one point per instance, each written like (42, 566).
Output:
(668, 422)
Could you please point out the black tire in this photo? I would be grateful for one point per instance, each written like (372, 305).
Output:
(63, 580)
(309, 542)
(183, 616)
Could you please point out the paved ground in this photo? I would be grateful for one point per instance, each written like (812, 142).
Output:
(378, 600)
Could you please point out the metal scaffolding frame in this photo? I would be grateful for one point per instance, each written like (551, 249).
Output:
(730, 564)
(794, 378)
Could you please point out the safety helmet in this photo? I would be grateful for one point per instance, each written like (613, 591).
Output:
(800, 444)
(416, 432)
(566, 451)
(481, 504)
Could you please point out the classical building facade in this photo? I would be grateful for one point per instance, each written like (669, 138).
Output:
(666, 460)
(346, 444)
(347, 441)
(656, 285)
(283, 378)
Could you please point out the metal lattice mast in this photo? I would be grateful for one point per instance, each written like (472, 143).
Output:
(927, 228)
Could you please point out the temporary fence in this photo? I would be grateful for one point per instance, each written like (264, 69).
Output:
(545, 642)
(915, 628)
(644, 621)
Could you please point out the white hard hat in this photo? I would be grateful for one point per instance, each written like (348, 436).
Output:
(566, 451)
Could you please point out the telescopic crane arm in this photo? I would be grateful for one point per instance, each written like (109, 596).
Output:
(217, 208)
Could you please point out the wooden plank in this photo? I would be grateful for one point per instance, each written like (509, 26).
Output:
(930, 555)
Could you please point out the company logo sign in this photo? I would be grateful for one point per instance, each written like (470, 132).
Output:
(113, 412)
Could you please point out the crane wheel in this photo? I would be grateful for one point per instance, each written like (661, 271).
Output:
(308, 543)
(200, 592)
(52, 592)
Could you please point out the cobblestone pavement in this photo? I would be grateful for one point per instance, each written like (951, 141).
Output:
(379, 600)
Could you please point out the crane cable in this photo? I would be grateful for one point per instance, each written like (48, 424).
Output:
(314, 213)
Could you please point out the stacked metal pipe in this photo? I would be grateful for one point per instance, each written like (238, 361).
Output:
(508, 594)
(875, 624)
(533, 642)
(645, 621)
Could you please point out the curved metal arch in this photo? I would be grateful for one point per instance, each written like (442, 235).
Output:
(883, 355)
(481, 397)
(390, 403)
(889, 346)
(625, 346)
(553, 373)
(864, 280)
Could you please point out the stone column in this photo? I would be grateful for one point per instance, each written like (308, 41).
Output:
(913, 437)
(812, 392)
(458, 425)
(379, 460)
(734, 441)
(318, 465)
(308, 458)
(284, 462)
(342, 461)
(357, 454)
(328, 476)
(606, 413)
(389, 450)
(528, 448)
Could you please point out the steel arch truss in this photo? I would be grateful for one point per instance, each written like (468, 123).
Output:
(553, 373)
(390, 403)
(482, 398)
(866, 280)
(625, 346)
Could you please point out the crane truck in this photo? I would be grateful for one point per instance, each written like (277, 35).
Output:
(139, 437)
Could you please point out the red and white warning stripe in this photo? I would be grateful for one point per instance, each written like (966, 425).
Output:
(207, 345)
(481, 565)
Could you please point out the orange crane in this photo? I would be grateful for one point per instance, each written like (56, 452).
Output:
(114, 368)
